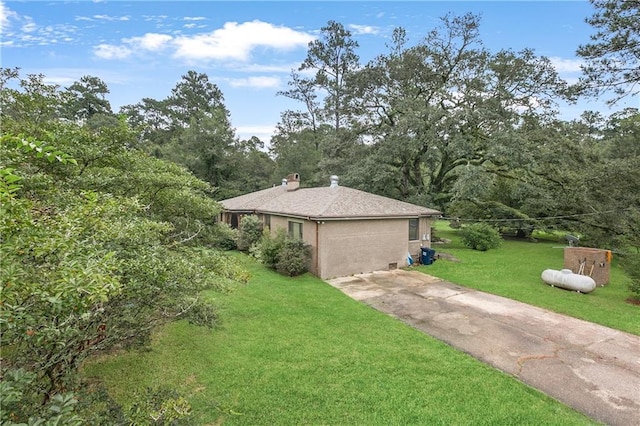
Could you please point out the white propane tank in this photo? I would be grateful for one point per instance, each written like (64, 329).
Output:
(567, 279)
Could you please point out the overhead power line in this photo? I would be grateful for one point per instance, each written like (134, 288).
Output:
(567, 216)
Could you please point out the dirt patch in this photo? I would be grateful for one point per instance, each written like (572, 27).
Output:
(633, 301)
(441, 241)
(447, 256)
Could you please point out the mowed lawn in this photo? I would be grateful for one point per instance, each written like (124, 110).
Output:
(514, 271)
(299, 352)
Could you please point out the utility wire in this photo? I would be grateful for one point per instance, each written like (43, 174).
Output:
(537, 218)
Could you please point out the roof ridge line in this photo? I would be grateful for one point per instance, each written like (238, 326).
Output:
(333, 199)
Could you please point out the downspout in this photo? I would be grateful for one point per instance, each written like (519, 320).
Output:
(317, 248)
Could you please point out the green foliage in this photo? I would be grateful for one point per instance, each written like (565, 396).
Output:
(333, 58)
(611, 57)
(295, 151)
(20, 404)
(39, 148)
(480, 236)
(630, 263)
(31, 105)
(191, 127)
(151, 406)
(97, 407)
(253, 169)
(85, 99)
(250, 232)
(224, 236)
(294, 257)
(270, 247)
(288, 256)
(99, 245)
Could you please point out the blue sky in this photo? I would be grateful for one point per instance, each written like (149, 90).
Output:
(142, 48)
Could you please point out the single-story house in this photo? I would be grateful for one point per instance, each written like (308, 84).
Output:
(350, 231)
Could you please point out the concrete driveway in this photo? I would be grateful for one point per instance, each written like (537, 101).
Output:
(594, 369)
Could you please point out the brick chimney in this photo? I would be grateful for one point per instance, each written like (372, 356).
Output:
(293, 182)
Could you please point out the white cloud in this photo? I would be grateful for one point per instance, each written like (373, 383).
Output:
(563, 65)
(61, 80)
(150, 41)
(108, 51)
(259, 82)
(6, 15)
(253, 68)
(263, 132)
(28, 32)
(236, 41)
(158, 18)
(194, 18)
(29, 26)
(67, 76)
(111, 18)
(363, 29)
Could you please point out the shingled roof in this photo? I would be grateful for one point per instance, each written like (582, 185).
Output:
(336, 202)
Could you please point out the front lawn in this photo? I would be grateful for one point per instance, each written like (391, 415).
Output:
(298, 351)
(514, 270)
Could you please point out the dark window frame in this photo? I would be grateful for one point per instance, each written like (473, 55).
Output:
(414, 229)
(292, 225)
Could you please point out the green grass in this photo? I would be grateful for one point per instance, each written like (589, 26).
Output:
(297, 351)
(514, 270)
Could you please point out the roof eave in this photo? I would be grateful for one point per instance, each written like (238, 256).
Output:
(372, 217)
(321, 217)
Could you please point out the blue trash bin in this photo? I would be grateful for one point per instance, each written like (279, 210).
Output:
(427, 255)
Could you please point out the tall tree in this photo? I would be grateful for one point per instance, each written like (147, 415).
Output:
(151, 119)
(302, 90)
(445, 102)
(194, 96)
(86, 98)
(333, 58)
(32, 104)
(190, 127)
(205, 147)
(253, 168)
(613, 56)
(293, 148)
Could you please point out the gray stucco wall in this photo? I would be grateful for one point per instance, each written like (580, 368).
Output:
(350, 247)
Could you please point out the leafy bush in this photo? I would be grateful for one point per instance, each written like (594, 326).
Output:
(630, 263)
(269, 247)
(101, 244)
(480, 236)
(250, 232)
(288, 256)
(294, 257)
(224, 236)
(20, 401)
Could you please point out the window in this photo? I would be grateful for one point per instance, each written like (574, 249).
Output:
(267, 221)
(295, 229)
(413, 229)
(235, 220)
